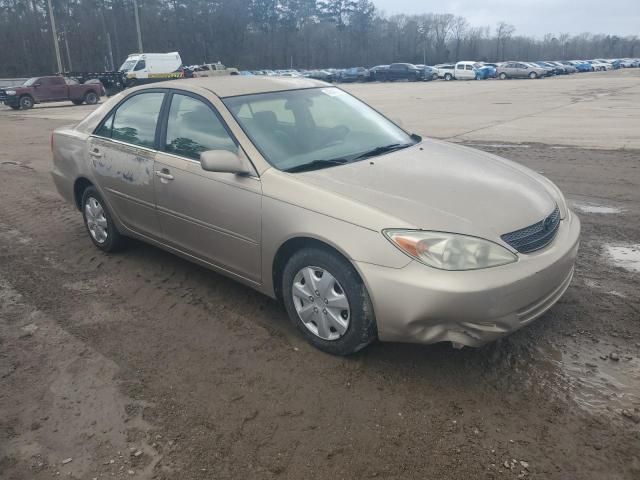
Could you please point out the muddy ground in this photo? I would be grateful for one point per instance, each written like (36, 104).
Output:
(142, 365)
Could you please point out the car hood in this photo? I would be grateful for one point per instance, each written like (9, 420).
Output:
(441, 186)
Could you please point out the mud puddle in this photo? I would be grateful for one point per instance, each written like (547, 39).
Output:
(596, 377)
(625, 256)
(589, 207)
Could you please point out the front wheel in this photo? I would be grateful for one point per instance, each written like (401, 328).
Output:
(448, 76)
(26, 102)
(533, 75)
(503, 76)
(328, 302)
(99, 223)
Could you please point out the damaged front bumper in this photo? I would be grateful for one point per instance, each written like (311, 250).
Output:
(420, 304)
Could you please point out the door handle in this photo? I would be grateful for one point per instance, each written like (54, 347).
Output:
(95, 153)
(164, 174)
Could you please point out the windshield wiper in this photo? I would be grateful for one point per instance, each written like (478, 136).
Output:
(383, 149)
(316, 165)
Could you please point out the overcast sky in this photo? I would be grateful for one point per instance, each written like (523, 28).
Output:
(534, 17)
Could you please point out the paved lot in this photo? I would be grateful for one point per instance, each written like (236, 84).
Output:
(141, 365)
(593, 110)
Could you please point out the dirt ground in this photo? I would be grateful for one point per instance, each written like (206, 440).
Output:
(141, 365)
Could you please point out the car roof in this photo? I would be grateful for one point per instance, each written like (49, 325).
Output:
(234, 85)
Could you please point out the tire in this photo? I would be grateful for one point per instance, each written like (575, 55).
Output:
(448, 76)
(503, 76)
(26, 102)
(15, 107)
(434, 76)
(533, 75)
(344, 285)
(91, 98)
(77, 102)
(113, 240)
(131, 82)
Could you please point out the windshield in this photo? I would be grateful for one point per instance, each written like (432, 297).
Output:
(296, 127)
(30, 82)
(128, 65)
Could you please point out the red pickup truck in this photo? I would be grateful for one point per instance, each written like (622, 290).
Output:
(50, 89)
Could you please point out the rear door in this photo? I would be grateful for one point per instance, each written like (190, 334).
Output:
(122, 153)
(213, 216)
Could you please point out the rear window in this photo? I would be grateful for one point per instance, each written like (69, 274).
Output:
(134, 121)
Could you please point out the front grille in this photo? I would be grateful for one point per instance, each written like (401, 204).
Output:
(536, 236)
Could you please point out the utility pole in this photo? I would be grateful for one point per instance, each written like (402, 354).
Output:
(55, 37)
(135, 11)
(66, 44)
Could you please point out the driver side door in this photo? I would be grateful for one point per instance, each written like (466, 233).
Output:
(215, 217)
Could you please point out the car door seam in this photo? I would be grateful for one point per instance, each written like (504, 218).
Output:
(207, 225)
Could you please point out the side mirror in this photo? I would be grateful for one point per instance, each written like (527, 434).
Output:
(223, 161)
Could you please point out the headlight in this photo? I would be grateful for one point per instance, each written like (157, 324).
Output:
(10, 92)
(450, 251)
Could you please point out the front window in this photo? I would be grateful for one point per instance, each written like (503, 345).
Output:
(193, 127)
(296, 127)
(128, 65)
(30, 82)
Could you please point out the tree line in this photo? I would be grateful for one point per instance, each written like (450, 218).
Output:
(250, 34)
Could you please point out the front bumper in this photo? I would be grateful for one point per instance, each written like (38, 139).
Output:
(420, 304)
(11, 101)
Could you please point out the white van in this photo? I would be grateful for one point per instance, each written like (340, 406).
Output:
(149, 67)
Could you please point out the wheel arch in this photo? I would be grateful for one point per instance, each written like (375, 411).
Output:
(79, 186)
(295, 244)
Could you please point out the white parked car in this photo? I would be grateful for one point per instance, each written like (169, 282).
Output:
(446, 71)
(466, 70)
(600, 65)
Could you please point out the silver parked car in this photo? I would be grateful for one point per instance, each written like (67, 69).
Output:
(304, 193)
(519, 70)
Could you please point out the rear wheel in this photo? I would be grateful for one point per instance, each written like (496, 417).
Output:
(327, 301)
(503, 76)
(434, 76)
(26, 102)
(99, 223)
(91, 98)
(448, 76)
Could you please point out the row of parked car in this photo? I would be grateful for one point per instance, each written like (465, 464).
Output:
(464, 70)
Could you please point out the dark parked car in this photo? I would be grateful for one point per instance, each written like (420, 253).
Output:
(378, 72)
(402, 71)
(354, 74)
(324, 75)
(51, 89)
(428, 73)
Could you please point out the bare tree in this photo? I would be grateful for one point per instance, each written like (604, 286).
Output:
(503, 34)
